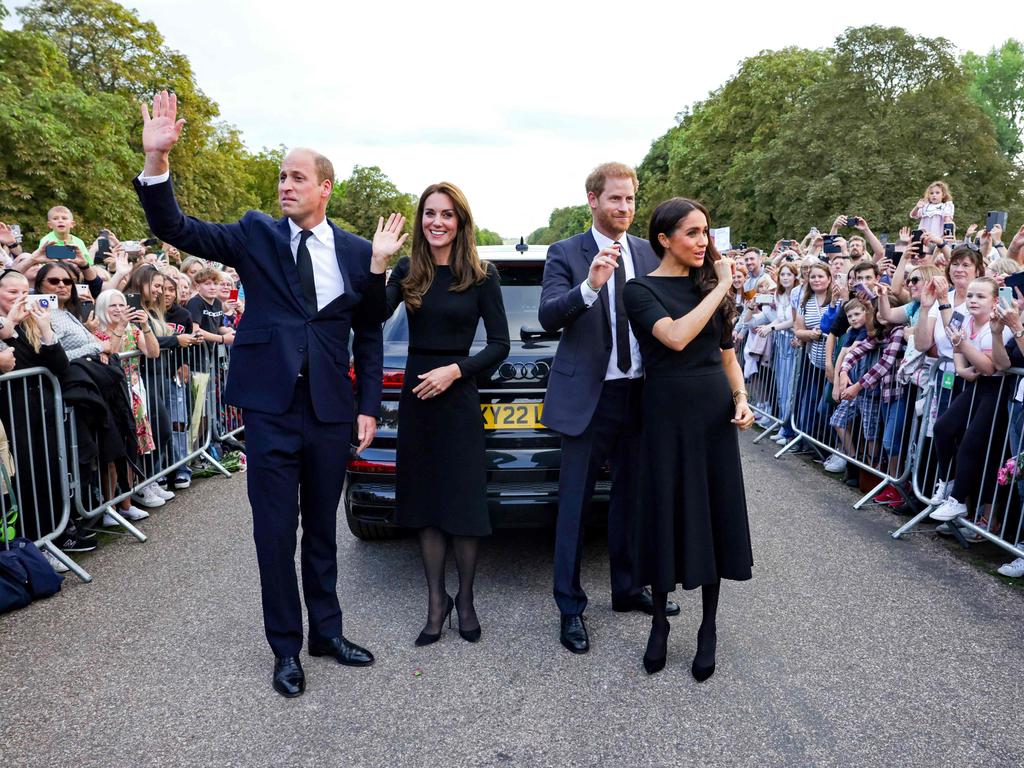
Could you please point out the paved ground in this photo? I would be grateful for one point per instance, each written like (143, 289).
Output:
(846, 649)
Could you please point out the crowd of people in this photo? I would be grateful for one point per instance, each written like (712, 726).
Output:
(125, 327)
(848, 335)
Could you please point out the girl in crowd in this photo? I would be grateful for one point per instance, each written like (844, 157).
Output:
(176, 395)
(808, 331)
(691, 527)
(191, 266)
(125, 330)
(775, 320)
(442, 483)
(963, 431)
(934, 209)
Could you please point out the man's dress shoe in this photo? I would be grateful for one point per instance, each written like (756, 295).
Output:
(289, 679)
(344, 652)
(574, 634)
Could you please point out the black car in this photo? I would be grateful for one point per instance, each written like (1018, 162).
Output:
(522, 454)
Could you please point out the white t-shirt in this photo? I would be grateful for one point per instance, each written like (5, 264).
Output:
(942, 342)
(933, 216)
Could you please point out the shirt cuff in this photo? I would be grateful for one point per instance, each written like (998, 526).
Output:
(148, 181)
(589, 294)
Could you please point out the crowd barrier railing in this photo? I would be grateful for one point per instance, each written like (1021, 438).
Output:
(768, 363)
(986, 421)
(174, 394)
(35, 501)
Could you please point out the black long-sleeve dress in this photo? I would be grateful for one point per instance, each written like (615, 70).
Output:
(691, 523)
(442, 480)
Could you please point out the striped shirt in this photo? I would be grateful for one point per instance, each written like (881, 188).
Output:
(811, 313)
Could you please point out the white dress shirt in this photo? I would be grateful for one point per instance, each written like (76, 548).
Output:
(326, 271)
(590, 296)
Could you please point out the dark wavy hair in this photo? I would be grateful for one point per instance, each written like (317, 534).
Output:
(74, 302)
(666, 220)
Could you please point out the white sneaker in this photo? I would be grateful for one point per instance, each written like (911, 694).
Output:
(780, 439)
(109, 521)
(147, 497)
(949, 509)
(1014, 570)
(59, 567)
(162, 492)
(134, 514)
(944, 529)
(942, 490)
(835, 463)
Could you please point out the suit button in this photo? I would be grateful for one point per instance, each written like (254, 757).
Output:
(302, 349)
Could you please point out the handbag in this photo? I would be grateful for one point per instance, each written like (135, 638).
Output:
(25, 575)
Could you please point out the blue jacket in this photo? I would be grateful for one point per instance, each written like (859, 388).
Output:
(581, 360)
(277, 332)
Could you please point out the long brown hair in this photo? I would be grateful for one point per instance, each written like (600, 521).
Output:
(664, 221)
(464, 262)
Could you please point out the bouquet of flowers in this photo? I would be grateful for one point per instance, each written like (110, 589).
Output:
(1009, 471)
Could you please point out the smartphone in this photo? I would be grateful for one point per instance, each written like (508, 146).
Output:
(916, 235)
(44, 300)
(233, 296)
(852, 221)
(742, 246)
(840, 279)
(61, 252)
(883, 238)
(956, 322)
(890, 251)
(1006, 294)
(88, 307)
(864, 289)
(831, 247)
(814, 230)
(994, 218)
(132, 246)
(103, 244)
(1015, 280)
(947, 228)
(83, 291)
(16, 231)
(764, 298)
(134, 300)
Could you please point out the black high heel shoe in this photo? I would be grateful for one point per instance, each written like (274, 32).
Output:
(701, 670)
(654, 663)
(470, 635)
(426, 638)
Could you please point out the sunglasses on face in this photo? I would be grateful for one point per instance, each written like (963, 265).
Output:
(59, 281)
(913, 280)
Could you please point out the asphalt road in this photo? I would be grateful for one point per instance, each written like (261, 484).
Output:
(846, 649)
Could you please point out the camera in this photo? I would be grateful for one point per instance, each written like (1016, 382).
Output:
(852, 221)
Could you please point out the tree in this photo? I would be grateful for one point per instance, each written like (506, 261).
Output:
(997, 84)
(487, 237)
(563, 223)
(365, 196)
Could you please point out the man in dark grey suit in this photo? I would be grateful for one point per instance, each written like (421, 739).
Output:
(593, 395)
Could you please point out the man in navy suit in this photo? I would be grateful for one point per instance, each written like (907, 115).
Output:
(307, 285)
(593, 395)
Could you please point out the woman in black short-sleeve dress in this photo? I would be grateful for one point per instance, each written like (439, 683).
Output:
(691, 523)
(442, 481)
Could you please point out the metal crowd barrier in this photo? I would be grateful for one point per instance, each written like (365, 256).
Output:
(994, 432)
(770, 384)
(177, 391)
(35, 501)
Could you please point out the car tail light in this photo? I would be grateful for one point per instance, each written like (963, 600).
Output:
(372, 467)
(394, 378)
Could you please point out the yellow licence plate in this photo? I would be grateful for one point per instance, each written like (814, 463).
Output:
(512, 415)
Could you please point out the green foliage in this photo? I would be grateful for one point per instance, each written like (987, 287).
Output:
(563, 223)
(487, 237)
(798, 136)
(364, 197)
(997, 84)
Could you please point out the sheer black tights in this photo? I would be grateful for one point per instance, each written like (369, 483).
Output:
(434, 550)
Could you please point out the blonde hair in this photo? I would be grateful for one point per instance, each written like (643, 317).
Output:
(941, 185)
(1004, 267)
(102, 310)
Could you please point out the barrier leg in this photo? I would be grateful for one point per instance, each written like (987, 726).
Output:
(871, 494)
(216, 464)
(123, 522)
(787, 446)
(75, 568)
(912, 523)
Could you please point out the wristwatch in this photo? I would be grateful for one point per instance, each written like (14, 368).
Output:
(1019, 334)
(943, 307)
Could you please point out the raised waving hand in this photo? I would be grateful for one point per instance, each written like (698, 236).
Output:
(160, 131)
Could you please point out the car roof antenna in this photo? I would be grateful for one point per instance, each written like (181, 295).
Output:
(522, 247)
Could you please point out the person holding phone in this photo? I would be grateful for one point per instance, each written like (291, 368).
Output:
(690, 526)
(594, 390)
(177, 395)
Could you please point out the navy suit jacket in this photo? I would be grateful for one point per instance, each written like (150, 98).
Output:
(277, 331)
(581, 360)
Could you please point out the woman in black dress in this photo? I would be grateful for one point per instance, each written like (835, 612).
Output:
(442, 483)
(691, 523)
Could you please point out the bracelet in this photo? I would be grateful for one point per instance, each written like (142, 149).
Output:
(944, 307)
(587, 281)
(737, 393)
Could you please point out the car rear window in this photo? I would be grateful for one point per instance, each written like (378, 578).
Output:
(520, 290)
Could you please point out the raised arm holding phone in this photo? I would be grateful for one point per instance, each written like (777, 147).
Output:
(309, 286)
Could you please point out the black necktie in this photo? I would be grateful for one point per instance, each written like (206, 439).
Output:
(622, 357)
(305, 265)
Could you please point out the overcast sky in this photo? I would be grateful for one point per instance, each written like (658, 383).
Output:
(514, 102)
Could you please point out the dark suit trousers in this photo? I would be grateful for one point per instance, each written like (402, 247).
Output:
(296, 466)
(613, 433)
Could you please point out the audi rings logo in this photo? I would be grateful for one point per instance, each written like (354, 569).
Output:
(522, 371)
